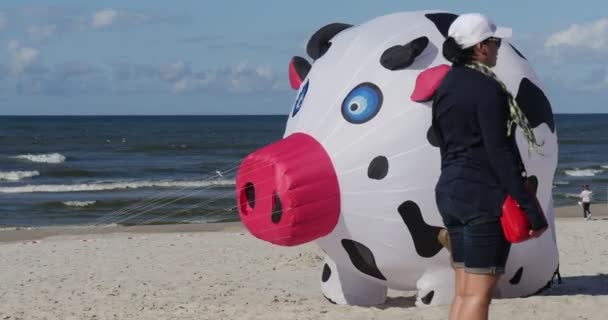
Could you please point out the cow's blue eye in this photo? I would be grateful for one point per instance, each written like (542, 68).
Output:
(362, 103)
(300, 99)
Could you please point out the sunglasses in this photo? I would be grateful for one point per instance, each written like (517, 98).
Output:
(496, 41)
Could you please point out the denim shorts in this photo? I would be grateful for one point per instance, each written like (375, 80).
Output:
(477, 240)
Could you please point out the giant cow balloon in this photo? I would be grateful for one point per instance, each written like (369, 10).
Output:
(357, 167)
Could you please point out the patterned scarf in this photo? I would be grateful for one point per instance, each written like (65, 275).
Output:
(517, 116)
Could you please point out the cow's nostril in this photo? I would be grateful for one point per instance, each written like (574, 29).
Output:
(277, 209)
(250, 194)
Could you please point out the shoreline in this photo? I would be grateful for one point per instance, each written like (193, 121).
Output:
(17, 234)
(597, 210)
(82, 232)
(38, 233)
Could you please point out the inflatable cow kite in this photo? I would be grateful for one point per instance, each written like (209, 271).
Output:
(358, 164)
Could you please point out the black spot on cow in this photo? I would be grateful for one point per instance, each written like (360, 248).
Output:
(362, 258)
(326, 273)
(533, 183)
(534, 104)
(402, 56)
(319, 43)
(428, 298)
(517, 277)
(424, 236)
(432, 138)
(517, 51)
(442, 21)
(378, 168)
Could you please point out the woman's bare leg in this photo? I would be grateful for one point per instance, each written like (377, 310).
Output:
(478, 293)
(458, 293)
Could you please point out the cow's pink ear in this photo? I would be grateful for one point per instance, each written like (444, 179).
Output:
(298, 70)
(428, 81)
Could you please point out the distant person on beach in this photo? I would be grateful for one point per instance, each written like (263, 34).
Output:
(586, 201)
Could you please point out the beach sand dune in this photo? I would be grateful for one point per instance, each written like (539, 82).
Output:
(222, 272)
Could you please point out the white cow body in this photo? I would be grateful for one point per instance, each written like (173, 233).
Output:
(399, 132)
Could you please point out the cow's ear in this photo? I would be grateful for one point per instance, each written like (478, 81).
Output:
(298, 70)
(319, 43)
(400, 57)
(428, 81)
(442, 21)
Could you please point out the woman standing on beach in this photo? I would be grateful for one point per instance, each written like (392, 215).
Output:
(474, 118)
(586, 200)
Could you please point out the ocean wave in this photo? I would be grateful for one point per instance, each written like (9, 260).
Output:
(42, 158)
(78, 204)
(561, 183)
(583, 172)
(605, 166)
(567, 195)
(17, 175)
(109, 186)
(15, 228)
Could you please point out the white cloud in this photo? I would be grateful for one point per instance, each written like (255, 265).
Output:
(180, 86)
(41, 33)
(238, 79)
(104, 18)
(67, 78)
(188, 85)
(21, 57)
(174, 71)
(593, 35)
(264, 72)
(178, 77)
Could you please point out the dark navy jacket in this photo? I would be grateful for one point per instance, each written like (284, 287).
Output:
(479, 163)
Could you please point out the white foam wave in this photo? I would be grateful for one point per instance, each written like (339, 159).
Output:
(79, 204)
(15, 228)
(17, 175)
(573, 195)
(115, 186)
(561, 183)
(43, 158)
(583, 172)
(605, 166)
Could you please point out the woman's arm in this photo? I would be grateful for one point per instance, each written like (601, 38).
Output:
(492, 114)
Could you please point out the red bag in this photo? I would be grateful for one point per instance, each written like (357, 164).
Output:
(515, 223)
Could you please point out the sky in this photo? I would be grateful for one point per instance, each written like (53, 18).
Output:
(197, 57)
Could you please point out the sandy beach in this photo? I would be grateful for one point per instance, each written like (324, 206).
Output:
(219, 271)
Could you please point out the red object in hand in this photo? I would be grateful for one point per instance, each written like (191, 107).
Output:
(515, 223)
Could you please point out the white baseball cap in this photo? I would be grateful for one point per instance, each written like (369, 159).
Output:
(472, 28)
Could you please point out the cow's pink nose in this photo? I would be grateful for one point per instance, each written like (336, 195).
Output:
(287, 192)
